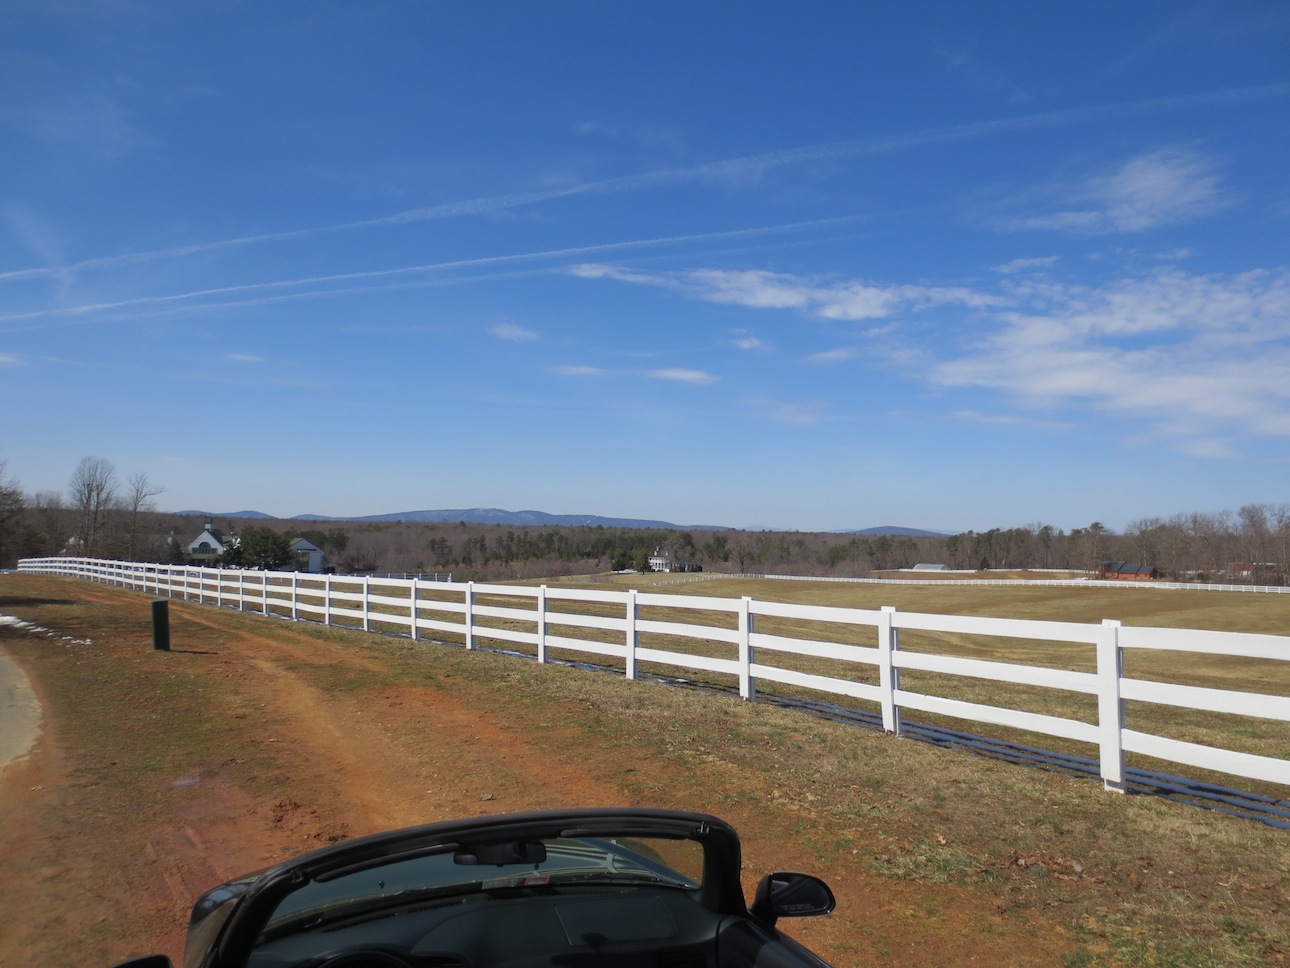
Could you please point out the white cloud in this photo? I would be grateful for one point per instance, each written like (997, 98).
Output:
(698, 377)
(1209, 449)
(754, 288)
(1158, 188)
(514, 333)
(8, 359)
(745, 340)
(824, 299)
(840, 355)
(1193, 358)
(1008, 420)
(578, 371)
(243, 358)
(1198, 359)
(1020, 265)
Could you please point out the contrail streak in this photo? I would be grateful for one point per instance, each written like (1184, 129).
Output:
(741, 167)
(432, 267)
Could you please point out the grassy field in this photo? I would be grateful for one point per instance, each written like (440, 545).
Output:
(948, 848)
(1088, 605)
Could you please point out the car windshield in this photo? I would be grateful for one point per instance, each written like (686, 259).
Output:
(453, 871)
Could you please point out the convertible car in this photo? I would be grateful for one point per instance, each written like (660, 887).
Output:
(631, 888)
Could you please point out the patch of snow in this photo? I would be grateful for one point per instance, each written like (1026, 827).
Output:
(13, 621)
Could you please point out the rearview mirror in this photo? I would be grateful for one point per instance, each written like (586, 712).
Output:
(787, 894)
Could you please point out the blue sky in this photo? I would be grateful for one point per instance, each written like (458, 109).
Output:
(812, 266)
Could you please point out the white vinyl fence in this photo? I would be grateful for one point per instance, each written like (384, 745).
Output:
(1156, 585)
(839, 651)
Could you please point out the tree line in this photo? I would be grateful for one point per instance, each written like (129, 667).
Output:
(102, 515)
(99, 516)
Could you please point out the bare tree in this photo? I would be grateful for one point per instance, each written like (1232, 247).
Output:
(1281, 522)
(1217, 537)
(1044, 534)
(1173, 545)
(138, 500)
(52, 519)
(11, 505)
(1255, 536)
(1145, 535)
(743, 547)
(93, 492)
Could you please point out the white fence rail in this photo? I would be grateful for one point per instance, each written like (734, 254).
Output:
(1157, 584)
(800, 646)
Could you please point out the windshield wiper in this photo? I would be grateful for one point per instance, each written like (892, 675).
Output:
(620, 879)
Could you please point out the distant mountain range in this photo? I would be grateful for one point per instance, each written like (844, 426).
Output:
(895, 529)
(541, 518)
(483, 516)
(225, 514)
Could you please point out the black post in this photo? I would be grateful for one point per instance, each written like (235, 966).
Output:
(161, 625)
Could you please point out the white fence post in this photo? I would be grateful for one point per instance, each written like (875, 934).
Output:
(888, 674)
(295, 596)
(747, 686)
(633, 637)
(367, 605)
(414, 608)
(1110, 708)
(327, 600)
(470, 615)
(541, 625)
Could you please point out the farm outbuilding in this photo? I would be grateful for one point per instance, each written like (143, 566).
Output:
(307, 555)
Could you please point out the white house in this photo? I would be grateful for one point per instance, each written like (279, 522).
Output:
(308, 556)
(210, 544)
(662, 560)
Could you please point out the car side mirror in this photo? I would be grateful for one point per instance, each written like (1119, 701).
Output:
(148, 961)
(787, 894)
